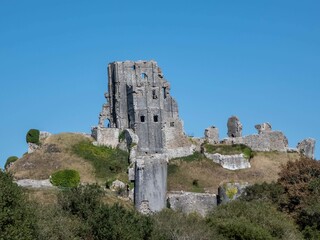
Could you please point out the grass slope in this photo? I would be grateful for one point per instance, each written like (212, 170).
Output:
(73, 151)
(198, 174)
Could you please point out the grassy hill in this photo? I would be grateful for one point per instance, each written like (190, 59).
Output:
(72, 151)
(54, 154)
(102, 164)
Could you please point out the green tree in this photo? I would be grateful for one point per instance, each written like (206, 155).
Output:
(16, 218)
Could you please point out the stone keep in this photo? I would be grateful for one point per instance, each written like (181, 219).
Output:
(139, 106)
(139, 99)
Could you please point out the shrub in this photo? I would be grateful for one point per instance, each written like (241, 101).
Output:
(309, 218)
(108, 162)
(116, 222)
(270, 192)
(33, 136)
(300, 179)
(169, 224)
(65, 178)
(104, 221)
(252, 220)
(10, 160)
(16, 218)
(81, 200)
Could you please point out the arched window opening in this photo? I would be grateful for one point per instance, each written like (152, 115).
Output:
(106, 123)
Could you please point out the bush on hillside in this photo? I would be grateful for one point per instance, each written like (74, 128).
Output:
(169, 224)
(65, 178)
(81, 200)
(109, 163)
(33, 136)
(103, 221)
(10, 160)
(252, 221)
(269, 192)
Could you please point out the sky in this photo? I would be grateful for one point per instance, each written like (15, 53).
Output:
(258, 60)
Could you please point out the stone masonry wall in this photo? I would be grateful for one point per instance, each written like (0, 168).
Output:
(265, 141)
(189, 202)
(150, 182)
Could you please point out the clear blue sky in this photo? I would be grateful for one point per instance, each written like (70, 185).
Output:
(259, 60)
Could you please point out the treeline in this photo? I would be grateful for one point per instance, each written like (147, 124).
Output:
(286, 209)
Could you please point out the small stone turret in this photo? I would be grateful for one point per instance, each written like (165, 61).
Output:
(263, 127)
(234, 127)
(211, 135)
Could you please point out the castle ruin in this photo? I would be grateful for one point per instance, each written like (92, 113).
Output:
(139, 99)
(141, 116)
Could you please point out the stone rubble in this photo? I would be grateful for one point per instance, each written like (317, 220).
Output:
(306, 147)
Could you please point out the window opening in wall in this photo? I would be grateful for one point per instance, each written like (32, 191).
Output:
(142, 118)
(107, 123)
(155, 118)
(144, 76)
(171, 124)
(133, 67)
(164, 91)
(154, 94)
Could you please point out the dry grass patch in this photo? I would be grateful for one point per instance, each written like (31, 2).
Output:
(265, 166)
(42, 196)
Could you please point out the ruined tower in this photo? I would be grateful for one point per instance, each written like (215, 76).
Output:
(138, 98)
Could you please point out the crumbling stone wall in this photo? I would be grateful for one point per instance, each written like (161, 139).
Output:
(306, 147)
(189, 202)
(106, 136)
(231, 162)
(265, 140)
(211, 135)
